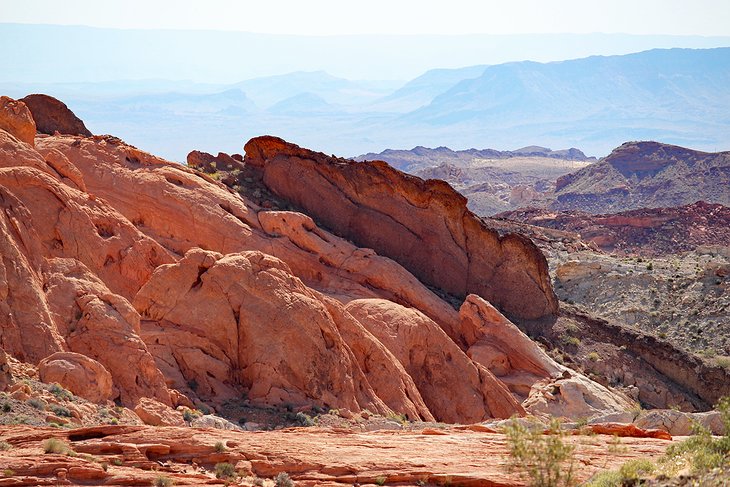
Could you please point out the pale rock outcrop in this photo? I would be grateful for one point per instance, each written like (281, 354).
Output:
(680, 423)
(543, 385)
(16, 119)
(83, 376)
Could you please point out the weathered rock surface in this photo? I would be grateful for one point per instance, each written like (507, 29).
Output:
(645, 231)
(6, 375)
(311, 456)
(16, 119)
(433, 360)
(679, 423)
(155, 413)
(52, 115)
(543, 385)
(423, 225)
(79, 374)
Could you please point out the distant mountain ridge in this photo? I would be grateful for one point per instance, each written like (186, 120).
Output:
(420, 157)
(677, 96)
(645, 175)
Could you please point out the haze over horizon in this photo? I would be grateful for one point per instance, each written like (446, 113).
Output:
(175, 76)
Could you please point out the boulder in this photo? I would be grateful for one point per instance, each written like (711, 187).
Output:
(16, 119)
(52, 115)
(155, 413)
(679, 423)
(83, 376)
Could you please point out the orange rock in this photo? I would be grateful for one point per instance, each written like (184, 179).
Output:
(423, 225)
(433, 360)
(157, 414)
(16, 119)
(630, 430)
(79, 374)
(544, 385)
(52, 115)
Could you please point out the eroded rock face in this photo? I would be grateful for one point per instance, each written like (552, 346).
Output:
(242, 321)
(16, 119)
(52, 115)
(423, 225)
(543, 385)
(79, 374)
(433, 360)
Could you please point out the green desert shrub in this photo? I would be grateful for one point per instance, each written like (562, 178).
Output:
(541, 457)
(283, 480)
(701, 452)
(224, 470)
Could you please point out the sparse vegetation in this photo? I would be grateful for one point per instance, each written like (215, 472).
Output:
(380, 480)
(283, 480)
(701, 452)
(59, 410)
(542, 457)
(224, 470)
(593, 357)
(189, 415)
(54, 445)
(4, 446)
(220, 447)
(61, 393)
(162, 481)
(36, 403)
(303, 419)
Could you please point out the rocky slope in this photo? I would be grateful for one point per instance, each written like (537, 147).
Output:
(645, 232)
(645, 175)
(184, 292)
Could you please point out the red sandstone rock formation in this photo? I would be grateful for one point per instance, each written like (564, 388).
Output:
(423, 225)
(16, 119)
(52, 115)
(183, 290)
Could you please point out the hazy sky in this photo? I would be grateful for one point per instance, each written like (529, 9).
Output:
(329, 17)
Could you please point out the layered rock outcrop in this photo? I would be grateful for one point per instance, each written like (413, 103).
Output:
(423, 225)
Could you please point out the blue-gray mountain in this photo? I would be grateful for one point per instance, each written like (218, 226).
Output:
(676, 96)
